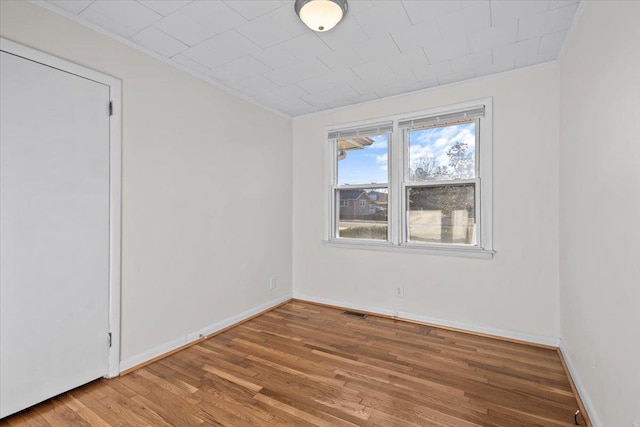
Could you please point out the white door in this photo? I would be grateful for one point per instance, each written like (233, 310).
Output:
(54, 232)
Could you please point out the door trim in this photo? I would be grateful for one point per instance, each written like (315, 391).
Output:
(115, 180)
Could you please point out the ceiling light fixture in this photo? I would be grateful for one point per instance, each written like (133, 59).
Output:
(321, 15)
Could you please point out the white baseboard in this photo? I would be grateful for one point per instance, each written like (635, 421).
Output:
(167, 347)
(582, 391)
(403, 315)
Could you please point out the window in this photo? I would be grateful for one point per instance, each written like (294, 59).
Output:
(359, 164)
(422, 181)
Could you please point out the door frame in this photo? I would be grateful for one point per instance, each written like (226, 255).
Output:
(115, 179)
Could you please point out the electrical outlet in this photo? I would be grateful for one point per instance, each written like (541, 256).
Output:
(400, 291)
(272, 283)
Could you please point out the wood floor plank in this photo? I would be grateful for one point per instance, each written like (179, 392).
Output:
(308, 365)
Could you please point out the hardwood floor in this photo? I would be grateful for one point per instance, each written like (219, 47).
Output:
(308, 365)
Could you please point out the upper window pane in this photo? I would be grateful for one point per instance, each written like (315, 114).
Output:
(442, 153)
(363, 160)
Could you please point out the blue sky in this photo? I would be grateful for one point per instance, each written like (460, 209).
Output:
(365, 166)
(369, 165)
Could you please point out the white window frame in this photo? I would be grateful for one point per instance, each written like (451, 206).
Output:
(398, 183)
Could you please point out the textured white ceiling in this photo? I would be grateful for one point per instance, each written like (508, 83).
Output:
(261, 50)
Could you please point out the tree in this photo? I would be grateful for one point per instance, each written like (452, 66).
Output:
(461, 161)
(427, 168)
(461, 165)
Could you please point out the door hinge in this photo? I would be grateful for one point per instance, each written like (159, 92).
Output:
(110, 108)
(109, 339)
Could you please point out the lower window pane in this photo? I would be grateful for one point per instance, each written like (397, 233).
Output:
(363, 213)
(442, 214)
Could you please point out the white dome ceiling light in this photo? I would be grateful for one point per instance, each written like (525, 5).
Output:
(321, 15)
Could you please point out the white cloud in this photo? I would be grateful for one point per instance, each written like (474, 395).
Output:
(382, 158)
(379, 143)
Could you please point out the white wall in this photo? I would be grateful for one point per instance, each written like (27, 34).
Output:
(206, 187)
(600, 208)
(518, 289)
(207, 198)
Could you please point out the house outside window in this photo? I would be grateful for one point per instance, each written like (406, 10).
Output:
(413, 182)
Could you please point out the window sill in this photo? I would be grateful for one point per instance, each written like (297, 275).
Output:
(463, 252)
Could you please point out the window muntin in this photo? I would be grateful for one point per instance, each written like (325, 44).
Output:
(434, 201)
